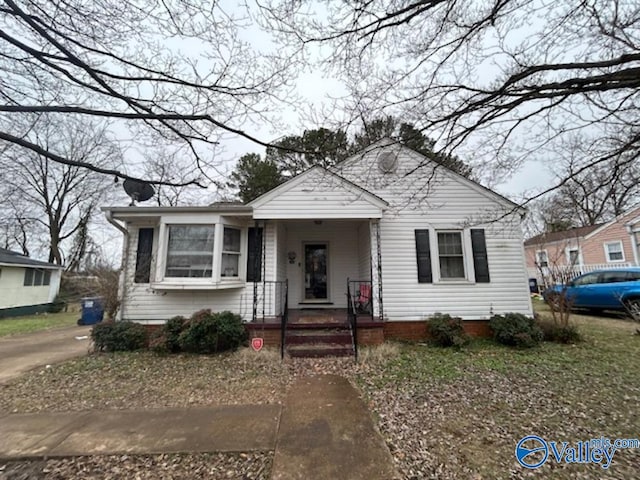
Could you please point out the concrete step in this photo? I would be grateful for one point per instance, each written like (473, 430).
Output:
(338, 336)
(317, 325)
(320, 350)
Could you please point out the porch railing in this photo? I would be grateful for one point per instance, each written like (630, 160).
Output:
(359, 303)
(284, 319)
(270, 300)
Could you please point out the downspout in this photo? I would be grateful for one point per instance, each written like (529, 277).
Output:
(123, 266)
(634, 243)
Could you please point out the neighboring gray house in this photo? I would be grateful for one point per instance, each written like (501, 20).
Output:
(417, 238)
(27, 286)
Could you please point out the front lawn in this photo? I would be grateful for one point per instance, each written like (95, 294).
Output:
(34, 323)
(443, 413)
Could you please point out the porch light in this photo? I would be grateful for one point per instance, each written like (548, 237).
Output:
(292, 256)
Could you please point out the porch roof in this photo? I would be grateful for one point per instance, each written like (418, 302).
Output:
(318, 193)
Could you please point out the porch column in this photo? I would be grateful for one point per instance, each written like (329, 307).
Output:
(376, 269)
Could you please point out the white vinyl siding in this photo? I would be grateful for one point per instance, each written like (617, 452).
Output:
(439, 201)
(13, 292)
(318, 195)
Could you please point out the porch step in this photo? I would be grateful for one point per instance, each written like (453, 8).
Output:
(325, 336)
(317, 325)
(320, 350)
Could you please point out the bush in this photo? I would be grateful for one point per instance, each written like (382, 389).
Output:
(171, 331)
(447, 331)
(553, 332)
(516, 330)
(118, 336)
(57, 305)
(207, 332)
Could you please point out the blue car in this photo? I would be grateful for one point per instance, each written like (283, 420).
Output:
(617, 289)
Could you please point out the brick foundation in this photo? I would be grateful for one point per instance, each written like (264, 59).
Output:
(371, 333)
(417, 331)
(270, 333)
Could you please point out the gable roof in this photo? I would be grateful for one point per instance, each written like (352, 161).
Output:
(298, 179)
(485, 191)
(549, 237)
(606, 225)
(11, 258)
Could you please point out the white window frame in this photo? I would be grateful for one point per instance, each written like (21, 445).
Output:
(568, 251)
(467, 255)
(161, 281)
(607, 253)
(546, 255)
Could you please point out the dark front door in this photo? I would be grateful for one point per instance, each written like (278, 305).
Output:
(315, 271)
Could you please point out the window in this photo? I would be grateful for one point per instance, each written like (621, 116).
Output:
(542, 259)
(34, 277)
(573, 256)
(587, 279)
(450, 255)
(614, 251)
(190, 251)
(28, 277)
(230, 252)
(451, 259)
(613, 277)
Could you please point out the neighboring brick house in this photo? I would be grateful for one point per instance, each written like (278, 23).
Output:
(579, 250)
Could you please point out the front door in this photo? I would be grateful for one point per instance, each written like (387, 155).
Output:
(315, 271)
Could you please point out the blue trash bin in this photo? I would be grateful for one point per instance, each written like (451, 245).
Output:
(92, 311)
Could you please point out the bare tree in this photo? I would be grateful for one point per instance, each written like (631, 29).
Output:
(173, 71)
(60, 199)
(506, 79)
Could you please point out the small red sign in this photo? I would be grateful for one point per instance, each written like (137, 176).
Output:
(257, 343)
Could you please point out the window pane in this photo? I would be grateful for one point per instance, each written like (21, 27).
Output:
(450, 243)
(451, 267)
(573, 257)
(229, 266)
(450, 253)
(615, 251)
(231, 242)
(47, 277)
(37, 278)
(190, 251)
(28, 277)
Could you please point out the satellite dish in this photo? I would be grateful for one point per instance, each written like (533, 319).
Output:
(138, 191)
(387, 162)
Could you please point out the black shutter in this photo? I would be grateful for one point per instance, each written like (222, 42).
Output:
(254, 255)
(480, 261)
(143, 257)
(423, 254)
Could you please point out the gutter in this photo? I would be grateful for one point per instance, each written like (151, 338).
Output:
(123, 266)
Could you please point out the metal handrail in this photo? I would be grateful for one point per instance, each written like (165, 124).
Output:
(284, 318)
(352, 317)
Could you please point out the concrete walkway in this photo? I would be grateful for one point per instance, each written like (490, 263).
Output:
(21, 353)
(326, 432)
(323, 432)
(228, 428)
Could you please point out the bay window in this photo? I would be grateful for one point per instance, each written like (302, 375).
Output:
(190, 251)
(230, 252)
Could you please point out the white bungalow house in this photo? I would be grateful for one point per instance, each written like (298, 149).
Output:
(412, 238)
(27, 286)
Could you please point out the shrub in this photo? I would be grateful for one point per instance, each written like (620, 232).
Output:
(554, 332)
(158, 341)
(516, 330)
(171, 331)
(118, 336)
(207, 332)
(57, 305)
(447, 331)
